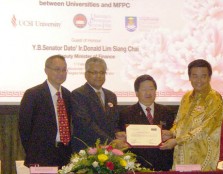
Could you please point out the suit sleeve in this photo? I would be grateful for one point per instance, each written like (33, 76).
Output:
(121, 122)
(84, 121)
(25, 118)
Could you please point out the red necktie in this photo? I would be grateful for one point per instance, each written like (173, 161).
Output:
(149, 116)
(64, 128)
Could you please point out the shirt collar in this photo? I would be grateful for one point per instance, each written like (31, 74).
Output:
(201, 94)
(53, 90)
(144, 107)
(96, 90)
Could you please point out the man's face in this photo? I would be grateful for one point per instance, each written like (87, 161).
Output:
(199, 78)
(146, 93)
(56, 72)
(95, 75)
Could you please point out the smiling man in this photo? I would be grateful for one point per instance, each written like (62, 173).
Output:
(146, 111)
(195, 134)
(95, 107)
(39, 124)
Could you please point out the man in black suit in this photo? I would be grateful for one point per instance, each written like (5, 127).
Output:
(38, 118)
(96, 115)
(145, 89)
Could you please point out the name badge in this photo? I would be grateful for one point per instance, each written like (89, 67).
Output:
(43, 170)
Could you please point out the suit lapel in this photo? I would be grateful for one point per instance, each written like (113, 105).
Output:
(140, 117)
(49, 103)
(109, 102)
(157, 114)
(93, 96)
(106, 101)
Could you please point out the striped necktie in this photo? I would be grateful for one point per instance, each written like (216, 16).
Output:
(149, 115)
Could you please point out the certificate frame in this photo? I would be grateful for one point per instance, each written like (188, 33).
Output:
(144, 136)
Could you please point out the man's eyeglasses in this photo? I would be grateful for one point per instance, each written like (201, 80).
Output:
(97, 73)
(58, 70)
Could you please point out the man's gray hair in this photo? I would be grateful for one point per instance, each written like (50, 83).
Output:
(95, 60)
(50, 59)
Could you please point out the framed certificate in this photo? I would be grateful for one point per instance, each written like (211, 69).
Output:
(143, 136)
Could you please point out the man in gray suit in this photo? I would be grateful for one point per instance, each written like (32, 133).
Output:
(95, 108)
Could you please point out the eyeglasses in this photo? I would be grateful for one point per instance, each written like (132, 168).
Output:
(96, 72)
(58, 70)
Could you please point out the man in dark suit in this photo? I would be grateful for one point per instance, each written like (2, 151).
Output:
(145, 89)
(38, 118)
(96, 115)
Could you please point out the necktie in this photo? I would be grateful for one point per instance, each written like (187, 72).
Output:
(64, 128)
(149, 115)
(99, 96)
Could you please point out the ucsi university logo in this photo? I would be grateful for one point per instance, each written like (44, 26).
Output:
(13, 21)
(24, 23)
(33, 23)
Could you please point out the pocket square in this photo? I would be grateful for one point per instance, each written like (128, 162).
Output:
(110, 104)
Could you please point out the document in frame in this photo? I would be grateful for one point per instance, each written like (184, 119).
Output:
(143, 136)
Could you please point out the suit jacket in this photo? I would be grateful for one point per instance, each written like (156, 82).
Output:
(37, 125)
(160, 160)
(90, 120)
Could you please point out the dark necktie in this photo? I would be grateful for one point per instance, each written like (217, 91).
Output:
(64, 128)
(149, 115)
(99, 96)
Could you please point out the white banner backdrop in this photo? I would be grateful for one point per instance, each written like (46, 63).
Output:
(135, 37)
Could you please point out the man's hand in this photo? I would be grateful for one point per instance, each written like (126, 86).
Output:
(121, 135)
(166, 134)
(169, 144)
(119, 144)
